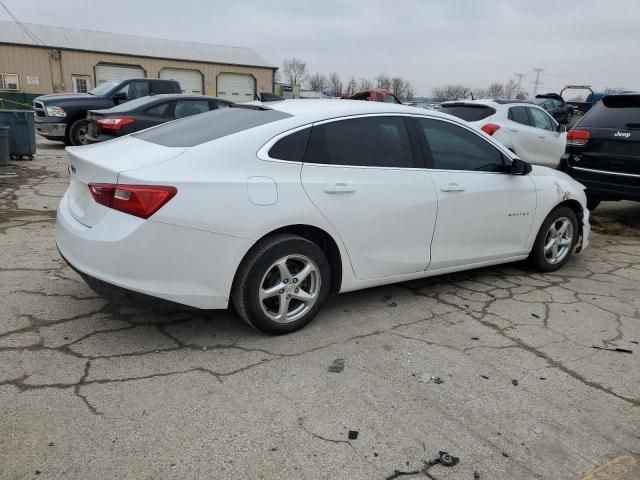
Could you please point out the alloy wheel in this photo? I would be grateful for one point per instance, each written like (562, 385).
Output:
(558, 241)
(289, 288)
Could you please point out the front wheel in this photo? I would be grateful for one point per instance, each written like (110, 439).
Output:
(78, 132)
(281, 284)
(556, 240)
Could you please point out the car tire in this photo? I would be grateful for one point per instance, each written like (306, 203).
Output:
(592, 202)
(78, 132)
(556, 240)
(268, 278)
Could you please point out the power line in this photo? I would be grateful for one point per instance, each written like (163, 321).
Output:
(23, 27)
(520, 77)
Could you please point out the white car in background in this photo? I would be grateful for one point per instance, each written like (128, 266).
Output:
(273, 206)
(524, 128)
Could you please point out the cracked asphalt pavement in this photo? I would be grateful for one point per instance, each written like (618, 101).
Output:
(93, 390)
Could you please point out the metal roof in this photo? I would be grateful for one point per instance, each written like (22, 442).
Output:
(134, 45)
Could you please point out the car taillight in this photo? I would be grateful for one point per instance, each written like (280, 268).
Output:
(577, 137)
(490, 128)
(139, 200)
(113, 123)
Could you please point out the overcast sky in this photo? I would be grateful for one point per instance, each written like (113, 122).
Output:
(427, 42)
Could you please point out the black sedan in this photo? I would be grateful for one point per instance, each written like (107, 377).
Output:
(146, 112)
(556, 106)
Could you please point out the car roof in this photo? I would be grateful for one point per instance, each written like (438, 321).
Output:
(321, 109)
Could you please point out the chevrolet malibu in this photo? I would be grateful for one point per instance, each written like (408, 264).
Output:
(274, 206)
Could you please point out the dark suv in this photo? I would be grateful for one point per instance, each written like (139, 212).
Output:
(556, 106)
(603, 150)
(62, 116)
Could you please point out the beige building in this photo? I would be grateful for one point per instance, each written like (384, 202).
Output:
(47, 59)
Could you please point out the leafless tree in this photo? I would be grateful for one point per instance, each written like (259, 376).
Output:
(382, 81)
(451, 92)
(522, 95)
(351, 86)
(335, 84)
(294, 71)
(365, 84)
(479, 93)
(317, 82)
(495, 90)
(612, 90)
(510, 88)
(397, 85)
(409, 92)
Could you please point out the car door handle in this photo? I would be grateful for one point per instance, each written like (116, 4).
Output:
(514, 130)
(339, 188)
(452, 187)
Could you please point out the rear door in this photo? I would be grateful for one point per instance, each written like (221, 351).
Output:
(614, 136)
(362, 176)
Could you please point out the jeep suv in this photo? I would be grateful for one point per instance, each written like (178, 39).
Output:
(603, 150)
(62, 116)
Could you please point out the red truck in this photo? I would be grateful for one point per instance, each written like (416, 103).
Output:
(374, 95)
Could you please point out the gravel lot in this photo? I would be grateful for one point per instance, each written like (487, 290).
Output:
(91, 390)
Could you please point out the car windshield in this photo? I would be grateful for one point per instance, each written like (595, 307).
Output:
(103, 88)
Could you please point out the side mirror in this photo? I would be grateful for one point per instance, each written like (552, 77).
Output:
(520, 167)
(119, 97)
(562, 128)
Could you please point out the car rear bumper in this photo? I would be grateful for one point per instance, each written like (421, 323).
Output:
(124, 256)
(607, 185)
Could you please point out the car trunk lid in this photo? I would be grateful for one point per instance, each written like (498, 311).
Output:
(102, 163)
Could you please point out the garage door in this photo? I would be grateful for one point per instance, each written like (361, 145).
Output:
(104, 73)
(189, 80)
(236, 87)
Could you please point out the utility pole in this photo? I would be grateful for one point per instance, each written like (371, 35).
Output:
(520, 77)
(537, 82)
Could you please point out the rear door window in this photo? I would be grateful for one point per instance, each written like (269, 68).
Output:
(519, 115)
(455, 148)
(470, 113)
(162, 87)
(614, 112)
(380, 141)
(186, 108)
(160, 110)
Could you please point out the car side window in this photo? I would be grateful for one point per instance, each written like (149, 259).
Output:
(161, 87)
(186, 108)
(160, 110)
(540, 119)
(456, 148)
(291, 147)
(378, 141)
(137, 89)
(519, 115)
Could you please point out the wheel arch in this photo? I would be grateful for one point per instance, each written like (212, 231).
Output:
(578, 210)
(317, 235)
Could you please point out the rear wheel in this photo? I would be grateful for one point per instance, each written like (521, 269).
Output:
(78, 132)
(281, 284)
(556, 240)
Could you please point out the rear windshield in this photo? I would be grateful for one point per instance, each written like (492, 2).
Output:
(615, 112)
(470, 113)
(130, 105)
(197, 129)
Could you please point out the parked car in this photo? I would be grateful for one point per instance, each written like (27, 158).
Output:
(554, 104)
(525, 129)
(63, 117)
(273, 206)
(146, 112)
(374, 95)
(603, 150)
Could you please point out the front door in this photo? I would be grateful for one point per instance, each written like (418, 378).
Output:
(484, 212)
(550, 145)
(360, 174)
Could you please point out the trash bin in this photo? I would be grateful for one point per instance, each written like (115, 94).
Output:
(22, 134)
(4, 146)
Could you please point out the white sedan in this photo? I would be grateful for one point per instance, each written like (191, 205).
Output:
(274, 206)
(524, 128)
